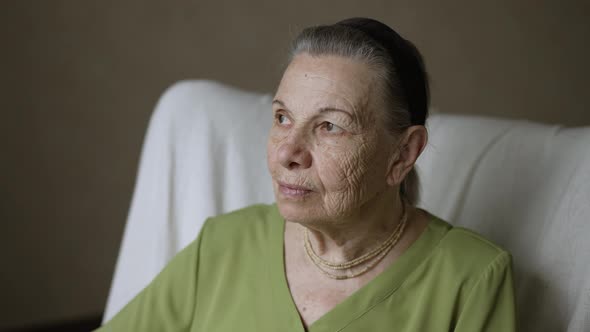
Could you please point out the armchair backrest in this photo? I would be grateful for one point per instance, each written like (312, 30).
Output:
(525, 186)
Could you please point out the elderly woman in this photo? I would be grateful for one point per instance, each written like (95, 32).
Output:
(344, 248)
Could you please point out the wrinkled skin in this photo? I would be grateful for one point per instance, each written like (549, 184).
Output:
(352, 166)
(345, 164)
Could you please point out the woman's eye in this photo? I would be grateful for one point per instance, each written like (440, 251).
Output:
(282, 119)
(331, 128)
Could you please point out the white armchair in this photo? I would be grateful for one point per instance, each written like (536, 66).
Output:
(526, 186)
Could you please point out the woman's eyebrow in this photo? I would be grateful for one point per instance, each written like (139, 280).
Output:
(321, 110)
(335, 109)
(277, 101)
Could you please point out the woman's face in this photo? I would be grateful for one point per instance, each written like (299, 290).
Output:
(328, 149)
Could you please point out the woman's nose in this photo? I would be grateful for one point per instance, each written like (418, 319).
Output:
(293, 156)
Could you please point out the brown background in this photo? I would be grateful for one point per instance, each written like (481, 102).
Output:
(79, 80)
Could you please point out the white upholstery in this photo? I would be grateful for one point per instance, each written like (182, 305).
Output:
(523, 185)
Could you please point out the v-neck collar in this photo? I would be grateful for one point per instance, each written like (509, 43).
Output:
(359, 302)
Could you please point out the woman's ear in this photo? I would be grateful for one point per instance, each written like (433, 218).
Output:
(411, 145)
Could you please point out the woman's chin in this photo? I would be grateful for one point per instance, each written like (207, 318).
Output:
(295, 210)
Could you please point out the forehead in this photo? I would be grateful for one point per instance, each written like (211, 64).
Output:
(328, 79)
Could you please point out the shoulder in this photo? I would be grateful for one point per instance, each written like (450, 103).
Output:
(471, 245)
(252, 223)
(257, 215)
(469, 254)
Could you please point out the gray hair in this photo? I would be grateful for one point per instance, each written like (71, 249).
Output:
(349, 42)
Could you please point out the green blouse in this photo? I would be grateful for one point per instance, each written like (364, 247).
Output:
(232, 278)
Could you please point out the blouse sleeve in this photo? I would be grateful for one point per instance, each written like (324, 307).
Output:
(168, 302)
(490, 306)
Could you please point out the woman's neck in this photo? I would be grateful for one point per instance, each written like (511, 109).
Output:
(362, 231)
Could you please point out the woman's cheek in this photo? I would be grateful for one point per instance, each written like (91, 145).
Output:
(275, 138)
(339, 166)
(272, 145)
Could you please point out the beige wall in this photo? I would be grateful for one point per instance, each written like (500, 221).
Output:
(80, 78)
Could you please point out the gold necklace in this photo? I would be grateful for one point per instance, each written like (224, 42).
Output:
(378, 253)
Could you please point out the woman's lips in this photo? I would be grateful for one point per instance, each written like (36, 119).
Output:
(294, 191)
